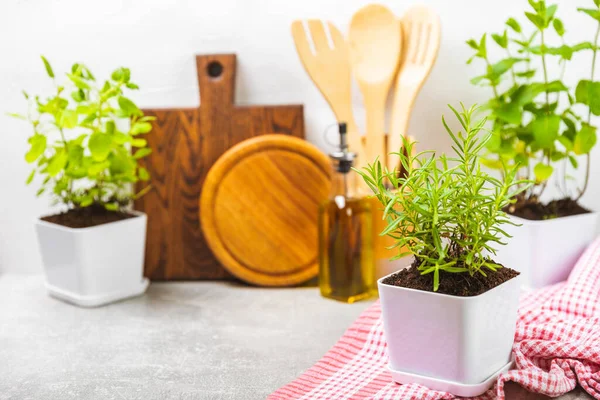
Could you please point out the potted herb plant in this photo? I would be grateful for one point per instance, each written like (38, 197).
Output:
(449, 319)
(80, 149)
(544, 128)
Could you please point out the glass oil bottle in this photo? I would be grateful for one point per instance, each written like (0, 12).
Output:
(346, 265)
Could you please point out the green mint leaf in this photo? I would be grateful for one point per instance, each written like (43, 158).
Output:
(594, 13)
(143, 174)
(68, 119)
(121, 75)
(514, 25)
(588, 93)
(112, 206)
(141, 153)
(140, 127)
(545, 130)
(482, 46)
(473, 44)
(57, 162)
(139, 143)
(573, 162)
(478, 79)
(99, 145)
(542, 172)
(501, 40)
(78, 81)
(502, 66)
(128, 107)
(535, 20)
(558, 27)
(30, 177)
(510, 112)
(549, 15)
(585, 139)
(38, 146)
(567, 144)
(49, 70)
(526, 74)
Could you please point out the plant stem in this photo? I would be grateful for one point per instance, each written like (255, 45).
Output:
(587, 177)
(563, 69)
(99, 182)
(494, 86)
(545, 69)
(64, 140)
(512, 69)
(595, 54)
(528, 54)
(539, 195)
(587, 158)
(543, 54)
(564, 189)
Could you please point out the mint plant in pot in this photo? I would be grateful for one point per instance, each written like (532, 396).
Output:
(81, 154)
(449, 319)
(545, 129)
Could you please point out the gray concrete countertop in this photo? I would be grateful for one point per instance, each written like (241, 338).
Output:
(200, 340)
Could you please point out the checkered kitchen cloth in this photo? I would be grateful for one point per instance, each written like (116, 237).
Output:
(557, 345)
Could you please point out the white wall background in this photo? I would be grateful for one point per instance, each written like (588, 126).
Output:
(158, 39)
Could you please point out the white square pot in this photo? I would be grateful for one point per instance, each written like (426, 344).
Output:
(449, 343)
(97, 265)
(546, 251)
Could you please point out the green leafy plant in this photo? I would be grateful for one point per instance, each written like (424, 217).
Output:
(536, 123)
(446, 211)
(82, 139)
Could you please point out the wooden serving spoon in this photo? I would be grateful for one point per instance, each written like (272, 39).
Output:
(421, 32)
(375, 40)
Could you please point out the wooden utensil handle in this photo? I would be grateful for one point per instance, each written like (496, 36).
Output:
(376, 130)
(216, 78)
(401, 110)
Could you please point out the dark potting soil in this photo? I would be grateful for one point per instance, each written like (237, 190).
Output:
(86, 217)
(456, 284)
(537, 211)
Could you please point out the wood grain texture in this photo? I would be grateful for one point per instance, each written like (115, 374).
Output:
(375, 42)
(186, 143)
(329, 69)
(421, 29)
(259, 209)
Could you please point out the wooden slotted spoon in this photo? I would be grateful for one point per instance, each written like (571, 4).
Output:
(375, 43)
(421, 32)
(329, 69)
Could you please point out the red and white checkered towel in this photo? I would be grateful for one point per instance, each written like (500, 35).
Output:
(557, 346)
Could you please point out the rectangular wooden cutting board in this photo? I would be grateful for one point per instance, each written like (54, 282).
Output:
(185, 144)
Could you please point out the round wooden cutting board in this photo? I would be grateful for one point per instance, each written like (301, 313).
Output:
(259, 209)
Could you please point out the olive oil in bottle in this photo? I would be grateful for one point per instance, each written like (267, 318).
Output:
(346, 266)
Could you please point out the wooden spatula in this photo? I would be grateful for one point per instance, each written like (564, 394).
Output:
(329, 69)
(421, 33)
(375, 43)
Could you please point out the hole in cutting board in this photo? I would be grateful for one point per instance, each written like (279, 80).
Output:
(214, 69)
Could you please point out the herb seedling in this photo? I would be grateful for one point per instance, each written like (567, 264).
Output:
(536, 123)
(82, 137)
(446, 211)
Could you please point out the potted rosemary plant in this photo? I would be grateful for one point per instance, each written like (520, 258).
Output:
(80, 149)
(447, 213)
(544, 128)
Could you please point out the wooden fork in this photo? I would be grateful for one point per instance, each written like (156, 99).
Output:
(421, 34)
(329, 69)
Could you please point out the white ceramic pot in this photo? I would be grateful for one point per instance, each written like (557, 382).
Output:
(94, 266)
(546, 251)
(449, 343)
